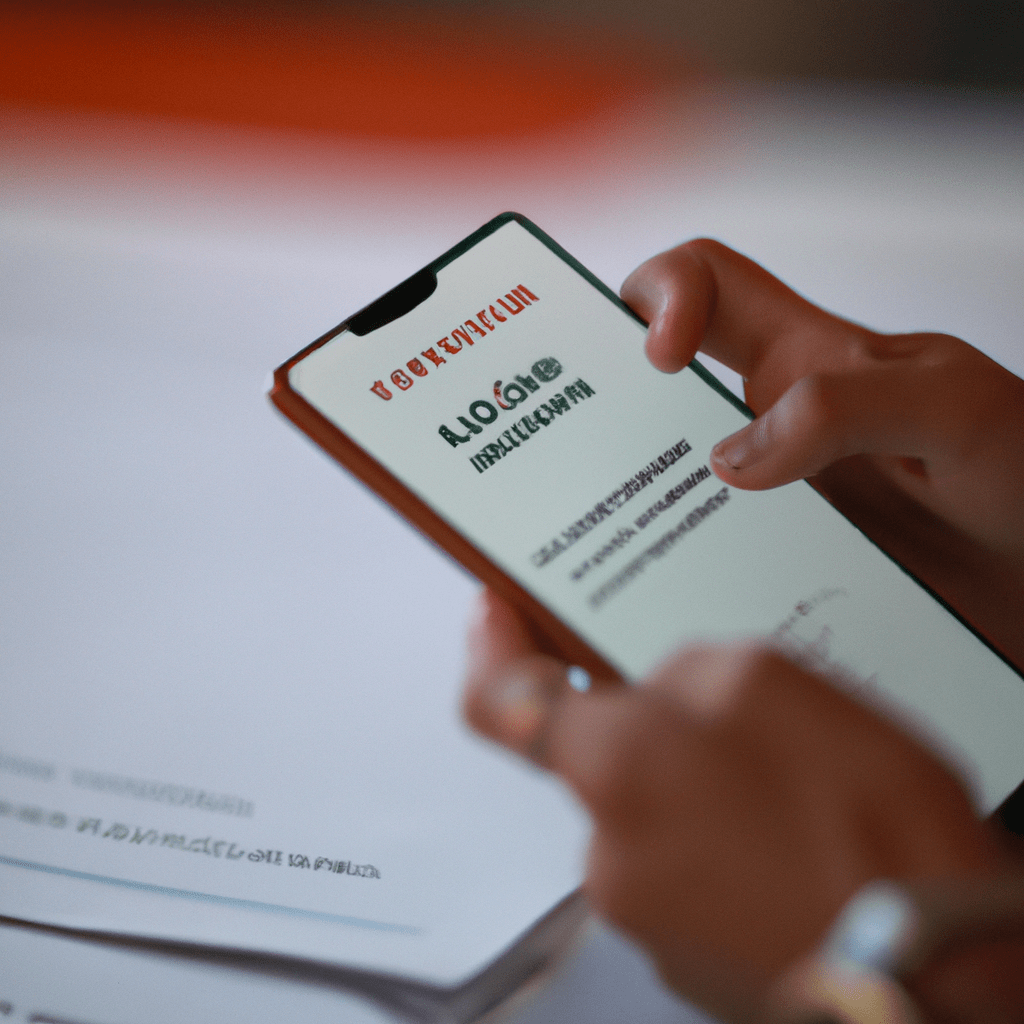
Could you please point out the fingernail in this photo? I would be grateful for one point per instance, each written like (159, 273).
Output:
(737, 451)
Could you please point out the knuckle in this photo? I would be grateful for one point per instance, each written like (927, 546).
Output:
(688, 662)
(705, 248)
(689, 262)
(750, 665)
(667, 267)
(816, 398)
(709, 685)
(754, 679)
(816, 408)
(751, 659)
(929, 348)
(749, 676)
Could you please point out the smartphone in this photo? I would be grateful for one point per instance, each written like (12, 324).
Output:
(500, 400)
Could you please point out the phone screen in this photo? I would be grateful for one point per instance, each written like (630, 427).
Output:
(516, 401)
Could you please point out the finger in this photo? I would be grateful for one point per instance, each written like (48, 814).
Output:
(514, 705)
(508, 682)
(497, 635)
(528, 706)
(703, 295)
(912, 409)
(594, 742)
(675, 292)
(609, 744)
(751, 690)
(751, 702)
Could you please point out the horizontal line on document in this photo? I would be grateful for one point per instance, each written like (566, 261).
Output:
(206, 897)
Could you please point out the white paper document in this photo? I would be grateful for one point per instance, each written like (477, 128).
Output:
(49, 978)
(52, 979)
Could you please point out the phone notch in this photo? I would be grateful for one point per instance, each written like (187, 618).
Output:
(402, 299)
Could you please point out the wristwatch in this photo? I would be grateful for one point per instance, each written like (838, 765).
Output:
(886, 934)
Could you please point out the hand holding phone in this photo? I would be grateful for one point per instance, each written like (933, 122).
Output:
(738, 801)
(917, 438)
(499, 399)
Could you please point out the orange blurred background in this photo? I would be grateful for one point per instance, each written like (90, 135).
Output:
(418, 74)
(473, 68)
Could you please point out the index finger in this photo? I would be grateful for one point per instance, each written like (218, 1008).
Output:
(704, 295)
(509, 683)
(497, 636)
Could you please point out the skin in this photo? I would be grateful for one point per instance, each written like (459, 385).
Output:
(916, 437)
(738, 801)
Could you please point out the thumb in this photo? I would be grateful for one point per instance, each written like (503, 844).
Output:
(822, 418)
